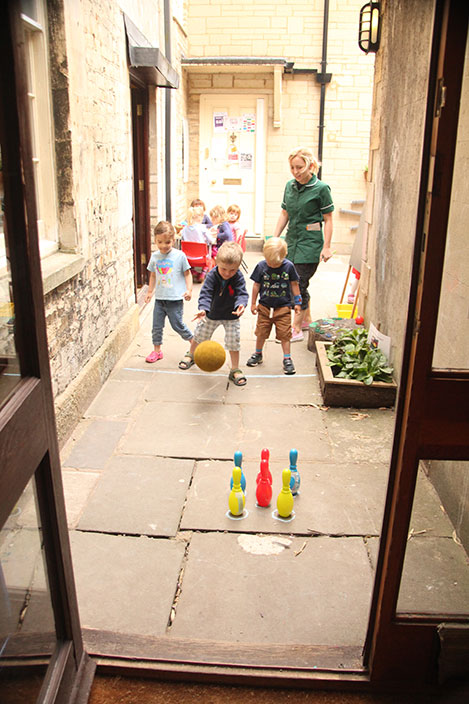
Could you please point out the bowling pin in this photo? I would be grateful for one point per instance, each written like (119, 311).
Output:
(238, 460)
(236, 500)
(295, 480)
(265, 454)
(264, 487)
(285, 498)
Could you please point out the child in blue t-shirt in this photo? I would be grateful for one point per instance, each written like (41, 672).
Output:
(275, 282)
(171, 280)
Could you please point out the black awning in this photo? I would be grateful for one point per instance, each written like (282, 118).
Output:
(148, 61)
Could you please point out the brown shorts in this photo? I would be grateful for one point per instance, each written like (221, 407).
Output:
(281, 318)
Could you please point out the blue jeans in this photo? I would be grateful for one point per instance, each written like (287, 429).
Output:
(172, 309)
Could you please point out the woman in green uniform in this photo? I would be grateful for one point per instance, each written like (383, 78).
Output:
(307, 208)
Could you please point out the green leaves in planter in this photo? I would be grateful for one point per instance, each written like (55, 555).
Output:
(351, 357)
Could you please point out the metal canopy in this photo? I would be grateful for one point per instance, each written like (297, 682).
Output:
(148, 61)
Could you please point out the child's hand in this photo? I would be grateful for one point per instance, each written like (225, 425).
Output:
(199, 315)
(254, 308)
(298, 309)
(239, 310)
(148, 297)
(188, 295)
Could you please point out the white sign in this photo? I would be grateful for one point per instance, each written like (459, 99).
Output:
(377, 339)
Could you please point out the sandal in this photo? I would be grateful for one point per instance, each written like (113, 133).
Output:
(187, 362)
(237, 380)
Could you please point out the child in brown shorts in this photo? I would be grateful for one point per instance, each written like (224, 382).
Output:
(276, 284)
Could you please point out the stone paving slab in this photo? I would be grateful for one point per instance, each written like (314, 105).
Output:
(271, 589)
(334, 499)
(116, 398)
(192, 384)
(201, 430)
(139, 496)
(361, 434)
(435, 578)
(96, 446)
(125, 584)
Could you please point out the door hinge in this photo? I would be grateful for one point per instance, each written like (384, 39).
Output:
(141, 184)
(440, 97)
(139, 110)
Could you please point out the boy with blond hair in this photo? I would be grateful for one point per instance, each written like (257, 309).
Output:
(276, 284)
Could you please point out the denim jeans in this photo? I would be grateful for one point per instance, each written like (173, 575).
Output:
(174, 310)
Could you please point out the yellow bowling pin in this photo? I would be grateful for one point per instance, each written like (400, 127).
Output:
(285, 499)
(236, 499)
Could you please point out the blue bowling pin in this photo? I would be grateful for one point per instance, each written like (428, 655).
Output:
(238, 461)
(295, 475)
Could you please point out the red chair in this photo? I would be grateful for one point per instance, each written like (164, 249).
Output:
(241, 240)
(199, 257)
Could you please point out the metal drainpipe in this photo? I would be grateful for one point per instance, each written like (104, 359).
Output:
(167, 125)
(324, 78)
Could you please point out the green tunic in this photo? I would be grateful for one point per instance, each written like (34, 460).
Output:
(305, 205)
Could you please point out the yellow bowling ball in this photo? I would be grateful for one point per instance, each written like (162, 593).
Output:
(209, 356)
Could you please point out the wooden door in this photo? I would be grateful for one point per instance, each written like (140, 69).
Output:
(433, 411)
(40, 637)
(141, 212)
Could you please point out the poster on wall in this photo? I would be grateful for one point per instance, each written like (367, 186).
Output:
(234, 124)
(245, 160)
(219, 121)
(249, 122)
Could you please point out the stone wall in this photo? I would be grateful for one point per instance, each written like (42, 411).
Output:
(292, 30)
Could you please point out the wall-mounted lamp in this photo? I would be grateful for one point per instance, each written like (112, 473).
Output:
(370, 27)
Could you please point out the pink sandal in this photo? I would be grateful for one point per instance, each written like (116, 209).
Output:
(154, 356)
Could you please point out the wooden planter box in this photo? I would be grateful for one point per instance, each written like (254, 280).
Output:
(348, 392)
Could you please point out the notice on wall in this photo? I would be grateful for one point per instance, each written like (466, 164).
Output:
(249, 122)
(219, 121)
(234, 124)
(245, 160)
(377, 339)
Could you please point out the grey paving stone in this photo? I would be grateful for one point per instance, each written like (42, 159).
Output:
(435, 578)
(97, 444)
(139, 495)
(125, 584)
(116, 398)
(192, 384)
(333, 499)
(360, 434)
(185, 430)
(271, 589)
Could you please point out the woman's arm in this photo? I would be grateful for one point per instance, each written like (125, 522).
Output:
(281, 223)
(326, 250)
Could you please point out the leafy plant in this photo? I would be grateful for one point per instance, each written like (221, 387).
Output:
(352, 357)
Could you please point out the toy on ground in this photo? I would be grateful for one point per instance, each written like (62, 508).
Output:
(209, 356)
(285, 499)
(295, 480)
(238, 461)
(236, 500)
(265, 454)
(264, 486)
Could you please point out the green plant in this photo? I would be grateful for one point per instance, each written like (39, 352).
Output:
(352, 357)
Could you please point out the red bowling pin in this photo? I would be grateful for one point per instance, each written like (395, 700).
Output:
(264, 486)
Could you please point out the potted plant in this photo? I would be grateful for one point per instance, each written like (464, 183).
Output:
(354, 373)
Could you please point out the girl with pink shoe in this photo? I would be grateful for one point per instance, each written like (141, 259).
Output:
(171, 281)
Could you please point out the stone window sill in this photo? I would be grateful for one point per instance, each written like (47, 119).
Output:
(59, 268)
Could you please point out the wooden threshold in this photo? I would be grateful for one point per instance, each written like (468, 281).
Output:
(215, 660)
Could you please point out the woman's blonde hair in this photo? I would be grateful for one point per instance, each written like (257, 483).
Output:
(311, 163)
(229, 253)
(275, 251)
(195, 214)
(165, 228)
(218, 211)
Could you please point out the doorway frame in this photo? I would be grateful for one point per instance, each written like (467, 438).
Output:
(28, 438)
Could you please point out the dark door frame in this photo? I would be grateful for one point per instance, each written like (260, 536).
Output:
(141, 189)
(28, 440)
